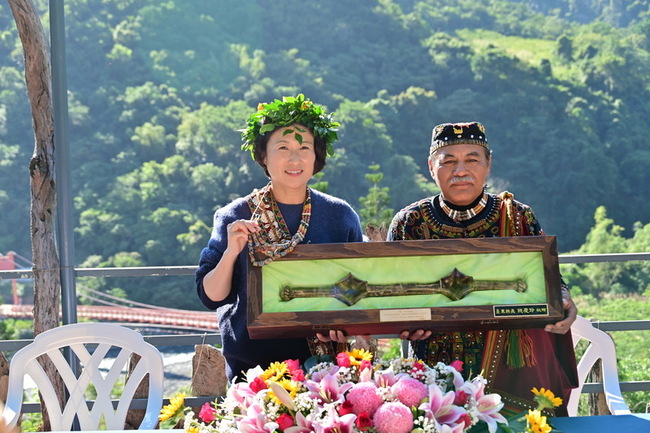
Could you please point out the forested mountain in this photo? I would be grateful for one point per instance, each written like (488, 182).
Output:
(157, 90)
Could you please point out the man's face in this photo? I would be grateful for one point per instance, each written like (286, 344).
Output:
(460, 170)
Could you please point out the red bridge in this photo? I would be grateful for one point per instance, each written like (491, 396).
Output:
(200, 321)
(111, 308)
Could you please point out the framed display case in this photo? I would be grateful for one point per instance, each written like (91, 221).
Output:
(383, 288)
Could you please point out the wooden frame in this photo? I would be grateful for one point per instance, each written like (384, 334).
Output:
(383, 275)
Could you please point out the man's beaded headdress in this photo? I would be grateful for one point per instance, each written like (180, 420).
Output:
(447, 134)
(290, 111)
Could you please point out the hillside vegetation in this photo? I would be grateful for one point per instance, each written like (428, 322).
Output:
(157, 91)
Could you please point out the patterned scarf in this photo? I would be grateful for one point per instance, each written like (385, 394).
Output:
(274, 240)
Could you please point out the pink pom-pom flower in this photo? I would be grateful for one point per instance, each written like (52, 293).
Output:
(364, 398)
(410, 391)
(393, 417)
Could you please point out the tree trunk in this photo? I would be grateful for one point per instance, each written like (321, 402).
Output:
(597, 401)
(47, 280)
(134, 417)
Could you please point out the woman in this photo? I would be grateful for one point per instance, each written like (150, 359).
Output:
(290, 140)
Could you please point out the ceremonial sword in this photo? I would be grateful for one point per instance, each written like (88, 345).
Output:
(351, 289)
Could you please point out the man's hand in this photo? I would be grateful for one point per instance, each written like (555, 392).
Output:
(570, 314)
(419, 334)
(334, 335)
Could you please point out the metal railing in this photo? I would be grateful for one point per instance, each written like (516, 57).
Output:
(215, 338)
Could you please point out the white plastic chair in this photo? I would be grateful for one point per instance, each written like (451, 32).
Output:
(601, 347)
(90, 342)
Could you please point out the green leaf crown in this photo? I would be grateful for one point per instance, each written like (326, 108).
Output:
(290, 111)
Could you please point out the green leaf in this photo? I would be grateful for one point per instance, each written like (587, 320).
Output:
(169, 423)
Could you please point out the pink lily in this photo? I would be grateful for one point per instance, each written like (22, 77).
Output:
(488, 406)
(256, 421)
(282, 395)
(441, 406)
(328, 389)
(252, 373)
(365, 374)
(387, 378)
(445, 428)
(303, 425)
(333, 423)
(318, 375)
(242, 393)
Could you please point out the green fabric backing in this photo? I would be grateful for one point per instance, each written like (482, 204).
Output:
(411, 269)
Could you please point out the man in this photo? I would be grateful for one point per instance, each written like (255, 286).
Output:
(459, 162)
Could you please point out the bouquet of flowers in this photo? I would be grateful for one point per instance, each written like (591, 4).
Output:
(352, 394)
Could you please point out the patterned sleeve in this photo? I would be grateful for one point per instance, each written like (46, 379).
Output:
(521, 219)
(530, 221)
(396, 228)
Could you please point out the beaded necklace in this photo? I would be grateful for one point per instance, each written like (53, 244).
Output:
(463, 215)
(274, 240)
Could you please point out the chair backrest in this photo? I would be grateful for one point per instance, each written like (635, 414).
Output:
(90, 343)
(601, 347)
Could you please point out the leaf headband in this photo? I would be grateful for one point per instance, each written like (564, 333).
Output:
(291, 110)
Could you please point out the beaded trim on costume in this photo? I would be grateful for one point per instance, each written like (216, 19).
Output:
(274, 240)
(447, 347)
(438, 229)
(463, 215)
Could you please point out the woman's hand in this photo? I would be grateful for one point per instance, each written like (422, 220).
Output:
(334, 335)
(218, 282)
(419, 334)
(570, 314)
(238, 232)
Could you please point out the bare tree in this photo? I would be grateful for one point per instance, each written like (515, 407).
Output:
(47, 279)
